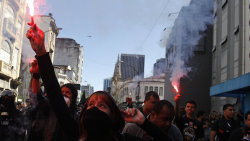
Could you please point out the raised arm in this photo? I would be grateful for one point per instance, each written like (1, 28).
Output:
(46, 69)
(35, 83)
(176, 108)
(35, 87)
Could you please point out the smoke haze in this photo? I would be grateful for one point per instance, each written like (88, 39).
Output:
(185, 35)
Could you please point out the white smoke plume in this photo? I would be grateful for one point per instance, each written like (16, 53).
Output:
(185, 35)
(164, 37)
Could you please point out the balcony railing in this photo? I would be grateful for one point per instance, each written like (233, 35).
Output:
(7, 70)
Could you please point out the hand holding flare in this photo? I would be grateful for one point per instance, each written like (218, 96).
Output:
(36, 37)
(177, 98)
(34, 67)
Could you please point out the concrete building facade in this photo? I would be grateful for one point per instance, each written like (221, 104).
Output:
(128, 89)
(159, 67)
(231, 53)
(64, 74)
(69, 53)
(12, 20)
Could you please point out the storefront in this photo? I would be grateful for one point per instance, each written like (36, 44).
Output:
(238, 87)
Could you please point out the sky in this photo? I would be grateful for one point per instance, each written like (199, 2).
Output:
(107, 28)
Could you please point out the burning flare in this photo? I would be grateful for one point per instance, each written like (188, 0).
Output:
(175, 86)
(31, 7)
(176, 89)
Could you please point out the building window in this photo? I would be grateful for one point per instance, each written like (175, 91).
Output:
(15, 58)
(19, 28)
(146, 89)
(236, 55)
(151, 88)
(236, 13)
(9, 13)
(161, 91)
(156, 89)
(215, 32)
(223, 41)
(236, 29)
(5, 52)
(0, 6)
(214, 68)
(224, 24)
(223, 68)
(224, 2)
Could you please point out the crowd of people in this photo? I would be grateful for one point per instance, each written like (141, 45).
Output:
(51, 114)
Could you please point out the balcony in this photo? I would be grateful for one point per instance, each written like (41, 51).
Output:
(6, 70)
(9, 29)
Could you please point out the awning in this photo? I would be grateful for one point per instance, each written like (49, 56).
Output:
(232, 88)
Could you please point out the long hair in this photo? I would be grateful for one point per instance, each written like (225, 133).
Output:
(72, 106)
(117, 119)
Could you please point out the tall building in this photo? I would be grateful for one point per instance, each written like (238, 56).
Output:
(127, 67)
(51, 31)
(159, 67)
(88, 89)
(107, 84)
(12, 20)
(132, 65)
(188, 55)
(231, 54)
(69, 53)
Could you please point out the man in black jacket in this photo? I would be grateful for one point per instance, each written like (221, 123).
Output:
(243, 133)
(188, 124)
(11, 119)
(162, 116)
(225, 125)
(151, 98)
